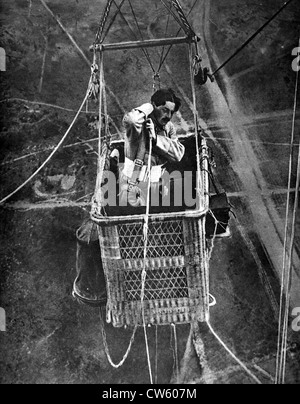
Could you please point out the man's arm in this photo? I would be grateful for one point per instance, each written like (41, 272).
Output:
(133, 121)
(169, 146)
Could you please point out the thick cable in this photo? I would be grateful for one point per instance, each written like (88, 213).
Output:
(252, 37)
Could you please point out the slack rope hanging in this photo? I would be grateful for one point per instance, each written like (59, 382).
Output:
(55, 149)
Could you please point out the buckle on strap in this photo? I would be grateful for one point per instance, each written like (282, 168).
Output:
(138, 163)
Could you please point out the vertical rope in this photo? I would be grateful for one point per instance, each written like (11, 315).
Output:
(175, 352)
(101, 83)
(144, 271)
(156, 353)
(195, 122)
(286, 272)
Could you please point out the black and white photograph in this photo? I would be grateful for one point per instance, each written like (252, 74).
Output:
(149, 197)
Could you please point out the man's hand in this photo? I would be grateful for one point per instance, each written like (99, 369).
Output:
(151, 129)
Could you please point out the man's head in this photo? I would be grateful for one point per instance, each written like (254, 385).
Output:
(165, 104)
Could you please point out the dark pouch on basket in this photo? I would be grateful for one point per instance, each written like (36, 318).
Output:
(217, 218)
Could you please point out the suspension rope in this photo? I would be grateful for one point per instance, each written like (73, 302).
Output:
(106, 348)
(136, 38)
(156, 75)
(144, 271)
(286, 270)
(170, 47)
(188, 29)
(54, 150)
(182, 20)
(102, 24)
(101, 82)
(113, 19)
(156, 353)
(175, 351)
(252, 37)
(163, 49)
(198, 187)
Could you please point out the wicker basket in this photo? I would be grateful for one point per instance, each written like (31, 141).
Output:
(176, 286)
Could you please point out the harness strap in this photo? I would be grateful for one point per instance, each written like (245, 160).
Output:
(133, 169)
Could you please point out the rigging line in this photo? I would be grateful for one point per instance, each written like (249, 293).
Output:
(103, 22)
(106, 348)
(163, 49)
(180, 12)
(179, 21)
(195, 123)
(66, 32)
(170, 47)
(252, 37)
(176, 352)
(136, 38)
(144, 271)
(233, 355)
(292, 243)
(140, 32)
(286, 272)
(113, 19)
(101, 72)
(54, 151)
(156, 353)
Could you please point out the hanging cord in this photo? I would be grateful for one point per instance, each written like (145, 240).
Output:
(170, 47)
(175, 352)
(100, 125)
(163, 49)
(113, 19)
(106, 348)
(55, 149)
(198, 188)
(286, 271)
(144, 271)
(146, 54)
(233, 355)
(156, 353)
(252, 37)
